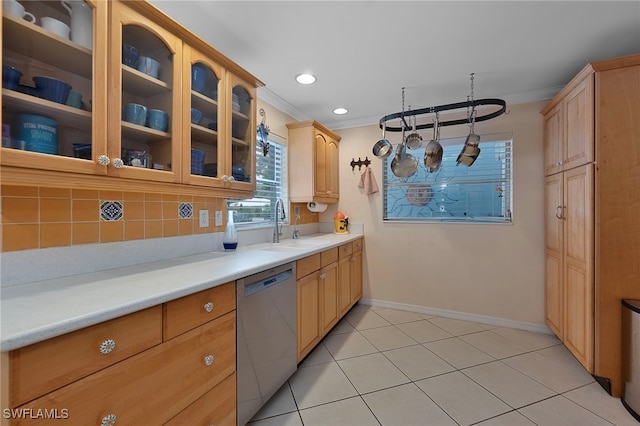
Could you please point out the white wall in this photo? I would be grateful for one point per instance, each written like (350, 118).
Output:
(489, 270)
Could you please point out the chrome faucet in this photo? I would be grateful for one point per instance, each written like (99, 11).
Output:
(277, 231)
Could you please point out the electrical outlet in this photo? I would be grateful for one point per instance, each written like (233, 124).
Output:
(204, 218)
(296, 210)
(218, 217)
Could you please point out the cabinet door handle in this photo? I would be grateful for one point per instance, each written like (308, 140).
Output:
(559, 212)
(208, 360)
(329, 192)
(108, 420)
(208, 306)
(107, 346)
(225, 178)
(104, 160)
(118, 163)
(323, 276)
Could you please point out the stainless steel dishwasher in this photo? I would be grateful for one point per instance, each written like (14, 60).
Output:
(266, 336)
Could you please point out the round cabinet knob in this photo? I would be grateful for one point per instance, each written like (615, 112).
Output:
(208, 306)
(232, 179)
(225, 178)
(118, 163)
(107, 346)
(329, 192)
(108, 420)
(103, 160)
(208, 360)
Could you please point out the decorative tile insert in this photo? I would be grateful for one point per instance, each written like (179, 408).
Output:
(111, 211)
(185, 210)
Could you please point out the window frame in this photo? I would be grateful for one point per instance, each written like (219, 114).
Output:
(453, 146)
(284, 170)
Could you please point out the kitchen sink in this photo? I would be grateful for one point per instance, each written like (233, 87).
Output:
(289, 245)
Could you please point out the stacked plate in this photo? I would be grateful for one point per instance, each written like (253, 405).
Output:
(235, 103)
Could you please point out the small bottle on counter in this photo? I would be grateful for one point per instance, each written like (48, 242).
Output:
(230, 238)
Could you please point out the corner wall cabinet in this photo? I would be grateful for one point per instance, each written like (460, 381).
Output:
(328, 285)
(314, 172)
(97, 139)
(591, 228)
(104, 373)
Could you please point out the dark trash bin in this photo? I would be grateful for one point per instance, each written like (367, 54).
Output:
(631, 356)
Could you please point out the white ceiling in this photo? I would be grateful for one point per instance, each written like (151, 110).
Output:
(364, 52)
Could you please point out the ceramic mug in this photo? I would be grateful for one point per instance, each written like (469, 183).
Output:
(57, 27)
(13, 8)
(149, 66)
(74, 99)
(158, 120)
(135, 113)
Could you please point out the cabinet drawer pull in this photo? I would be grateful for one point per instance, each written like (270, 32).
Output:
(103, 160)
(107, 346)
(208, 360)
(108, 420)
(208, 306)
(118, 163)
(329, 192)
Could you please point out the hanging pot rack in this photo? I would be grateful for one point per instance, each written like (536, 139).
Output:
(501, 104)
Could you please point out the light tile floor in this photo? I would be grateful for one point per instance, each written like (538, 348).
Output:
(382, 366)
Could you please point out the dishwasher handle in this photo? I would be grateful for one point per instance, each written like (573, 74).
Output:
(259, 282)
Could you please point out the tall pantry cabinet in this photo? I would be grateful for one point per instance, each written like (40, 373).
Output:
(592, 206)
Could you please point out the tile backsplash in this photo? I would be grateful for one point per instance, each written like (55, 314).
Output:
(39, 217)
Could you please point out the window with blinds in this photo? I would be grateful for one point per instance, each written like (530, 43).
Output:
(271, 184)
(479, 193)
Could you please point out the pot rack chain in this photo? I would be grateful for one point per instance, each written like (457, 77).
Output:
(470, 103)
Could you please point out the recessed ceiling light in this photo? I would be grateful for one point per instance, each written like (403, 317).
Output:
(340, 111)
(306, 78)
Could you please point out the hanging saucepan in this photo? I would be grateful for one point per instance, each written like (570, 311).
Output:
(414, 139)
(403, 164)
(383, 148)
(433, 151)
(470, 150)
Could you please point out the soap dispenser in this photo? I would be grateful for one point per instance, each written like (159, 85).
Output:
(230, 238)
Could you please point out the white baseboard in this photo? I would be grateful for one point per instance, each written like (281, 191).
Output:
(484, 319)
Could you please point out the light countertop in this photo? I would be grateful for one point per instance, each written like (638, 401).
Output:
(38, 311)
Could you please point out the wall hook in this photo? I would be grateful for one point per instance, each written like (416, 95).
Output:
(359, 163)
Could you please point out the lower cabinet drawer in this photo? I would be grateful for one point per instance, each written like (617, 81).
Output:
(42, 367)
(188, 312)
(216, 407)
(153, 386)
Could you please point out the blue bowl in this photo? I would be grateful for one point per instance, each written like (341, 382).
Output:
(10, 77)
(130, 55)
(196, 116)
(39, 133)
(52, 89)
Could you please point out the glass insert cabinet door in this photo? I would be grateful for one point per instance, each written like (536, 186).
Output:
(242, 155)
(53, 104)
(203, 96)
(146, 106)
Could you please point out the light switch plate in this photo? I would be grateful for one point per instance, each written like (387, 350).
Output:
(204, 218)
(218, 217)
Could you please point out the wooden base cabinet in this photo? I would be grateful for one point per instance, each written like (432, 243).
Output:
(162, 381)
(591, 219)
(329, 284)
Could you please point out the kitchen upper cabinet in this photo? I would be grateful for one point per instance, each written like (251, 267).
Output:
(146, 153)
(568, 130)
(44, 134)
(591, 201)
(140, 60)
(314, 170)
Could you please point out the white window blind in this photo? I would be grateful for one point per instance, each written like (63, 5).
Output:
(479, 193)
(271, 184)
